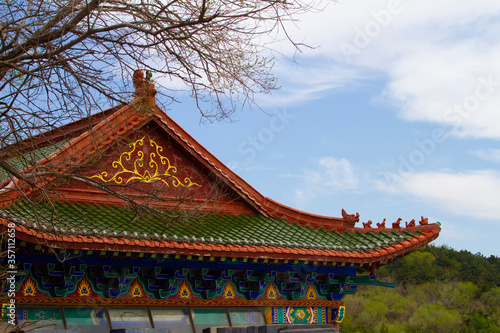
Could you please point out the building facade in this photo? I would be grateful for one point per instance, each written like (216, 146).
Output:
(134, 224)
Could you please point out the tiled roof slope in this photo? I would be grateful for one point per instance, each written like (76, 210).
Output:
(309, 235)
(84, 226)
(44, 144)
(21, 162)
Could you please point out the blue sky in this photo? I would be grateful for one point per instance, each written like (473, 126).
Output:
(396, 113)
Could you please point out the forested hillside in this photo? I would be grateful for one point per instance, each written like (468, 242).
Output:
(439, 290)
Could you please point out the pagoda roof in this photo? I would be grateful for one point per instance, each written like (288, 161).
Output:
(242, 224)
(101, 227)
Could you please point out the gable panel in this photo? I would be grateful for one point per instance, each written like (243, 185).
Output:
(148, 164)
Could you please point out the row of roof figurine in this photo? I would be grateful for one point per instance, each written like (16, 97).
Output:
(395, 225)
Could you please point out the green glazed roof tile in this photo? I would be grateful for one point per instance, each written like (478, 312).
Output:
(255, 230)
(31, 157)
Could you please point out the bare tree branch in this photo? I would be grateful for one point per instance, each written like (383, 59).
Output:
(64, 60)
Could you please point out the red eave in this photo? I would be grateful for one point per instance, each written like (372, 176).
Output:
(218, 250)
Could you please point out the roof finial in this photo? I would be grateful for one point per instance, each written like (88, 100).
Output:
(143, 84)
(350, 219)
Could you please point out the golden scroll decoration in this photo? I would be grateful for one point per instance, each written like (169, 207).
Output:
(144, 168)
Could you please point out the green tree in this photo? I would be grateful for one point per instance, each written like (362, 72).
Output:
(458, 295)
(445, 298)
(491, 300)
(479, 322)
(417, 267)
(436, 318)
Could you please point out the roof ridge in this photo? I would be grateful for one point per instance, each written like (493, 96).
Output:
(59, 133)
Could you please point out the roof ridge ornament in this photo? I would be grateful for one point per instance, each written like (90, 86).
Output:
(350, 219)
(144, 86)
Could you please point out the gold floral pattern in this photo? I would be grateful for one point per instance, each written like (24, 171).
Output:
(84, 288)
(136, 289)
(271, 292)
(229, 291)
(184, 290)
(29, 288)
(136, 165)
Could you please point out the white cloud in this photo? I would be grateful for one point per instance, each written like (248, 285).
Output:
(451, 232)
(475, 193)
(320, 77)
(490, 155)
(463, 93)
(329, 176)
(435, 56)
(337, 174)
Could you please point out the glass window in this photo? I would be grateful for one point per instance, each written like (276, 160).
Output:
(204, 318)
(129, 317)
(244, 317)
(91, 320)
(46, 317)
(177, 320)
